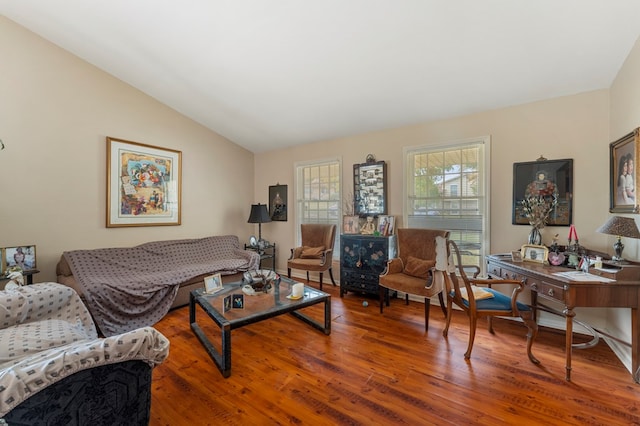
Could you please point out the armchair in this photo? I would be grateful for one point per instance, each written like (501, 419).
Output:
(412, 271)
(316, 252)
(478, 302)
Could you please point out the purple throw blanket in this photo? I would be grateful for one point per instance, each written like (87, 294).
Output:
(133, 287)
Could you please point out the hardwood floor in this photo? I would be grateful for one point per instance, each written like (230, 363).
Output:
(384, 369)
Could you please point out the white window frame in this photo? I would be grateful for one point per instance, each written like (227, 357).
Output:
(299, 167)
(483, 194)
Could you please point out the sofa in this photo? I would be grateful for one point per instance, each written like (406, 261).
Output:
(54, 369)
(132, 287)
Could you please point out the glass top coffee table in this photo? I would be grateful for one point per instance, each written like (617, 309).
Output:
(231, 308)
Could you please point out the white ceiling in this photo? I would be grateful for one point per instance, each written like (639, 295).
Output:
(267, 74)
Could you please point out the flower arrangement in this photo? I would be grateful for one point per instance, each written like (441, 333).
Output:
(537, 208)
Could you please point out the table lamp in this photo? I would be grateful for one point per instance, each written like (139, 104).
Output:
(620, 227)
(259, 215)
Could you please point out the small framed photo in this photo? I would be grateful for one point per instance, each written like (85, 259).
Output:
(23, 257)
(237, 301)
(386, 225)
(351, 224)
(516, 256)
(534, 253)
(212, 283)
(226, 304)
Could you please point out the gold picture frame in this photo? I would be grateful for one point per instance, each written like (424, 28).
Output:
(143, 184)
(534, 253)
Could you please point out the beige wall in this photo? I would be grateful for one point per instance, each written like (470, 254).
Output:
(55, 113)
(568, 127)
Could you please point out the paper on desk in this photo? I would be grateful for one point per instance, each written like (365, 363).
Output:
(583, 276)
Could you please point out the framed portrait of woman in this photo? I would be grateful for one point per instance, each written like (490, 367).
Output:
(623, 155)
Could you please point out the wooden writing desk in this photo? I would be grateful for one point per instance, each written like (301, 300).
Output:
(540, 279)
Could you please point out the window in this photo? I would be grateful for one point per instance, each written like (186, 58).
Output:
(445, 188)
(318, 195)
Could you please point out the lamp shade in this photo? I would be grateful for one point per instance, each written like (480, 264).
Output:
(259, 214)
(620, 227)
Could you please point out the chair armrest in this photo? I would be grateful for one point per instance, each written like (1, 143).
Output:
(295, 253)
(327, 255)
(394, 266)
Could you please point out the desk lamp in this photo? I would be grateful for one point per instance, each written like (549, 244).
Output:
(620, 227)
(259, 215)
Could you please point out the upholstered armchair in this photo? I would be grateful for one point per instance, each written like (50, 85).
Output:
(316, 252)
(411, 272)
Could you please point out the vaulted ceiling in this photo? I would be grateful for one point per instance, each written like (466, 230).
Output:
(267, 74)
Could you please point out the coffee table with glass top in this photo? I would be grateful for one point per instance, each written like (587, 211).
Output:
(255, 308)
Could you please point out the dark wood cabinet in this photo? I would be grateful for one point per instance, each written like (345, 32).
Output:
(362, 259)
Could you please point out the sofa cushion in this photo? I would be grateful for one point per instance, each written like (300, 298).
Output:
(418, 268)
(312, 252)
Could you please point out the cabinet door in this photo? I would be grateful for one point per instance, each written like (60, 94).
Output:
(369, 255)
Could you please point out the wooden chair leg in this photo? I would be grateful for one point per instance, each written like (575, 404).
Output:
(381, 291)
(307, 277)
(445, 332)
(441, 299)
(331, 276)
(490, 325)
(289, 272)
(427, 304)
(406, 299)
(532, 332)
(472, 335)
(320, 281)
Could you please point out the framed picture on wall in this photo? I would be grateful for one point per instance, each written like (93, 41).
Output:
(543, 180)
(623, 177)
(278, 202)
(143, 184)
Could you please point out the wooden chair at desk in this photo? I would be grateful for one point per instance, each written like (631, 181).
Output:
(482, 302)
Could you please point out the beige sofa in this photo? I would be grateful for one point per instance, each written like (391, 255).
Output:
(131, 287)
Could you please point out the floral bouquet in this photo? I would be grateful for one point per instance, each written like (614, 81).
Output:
(537, 209)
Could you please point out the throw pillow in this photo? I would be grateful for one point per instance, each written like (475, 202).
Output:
(418, 268)
(312, 252)
(478, 293)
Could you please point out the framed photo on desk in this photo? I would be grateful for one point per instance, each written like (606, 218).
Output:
(534, 253)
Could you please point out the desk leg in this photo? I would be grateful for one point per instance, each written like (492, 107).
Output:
(635, 345)
(569, 314)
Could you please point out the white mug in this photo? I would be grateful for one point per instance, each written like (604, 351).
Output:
(297, 290)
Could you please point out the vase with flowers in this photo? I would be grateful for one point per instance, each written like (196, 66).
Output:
(537, 209)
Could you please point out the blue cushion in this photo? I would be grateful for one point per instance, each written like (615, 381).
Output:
(499, 302)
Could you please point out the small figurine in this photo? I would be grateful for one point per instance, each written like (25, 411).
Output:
(369, 227)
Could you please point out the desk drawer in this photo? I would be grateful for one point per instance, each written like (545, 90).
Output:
(548, 290)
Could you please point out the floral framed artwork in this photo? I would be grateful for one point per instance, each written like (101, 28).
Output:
(278, 202)
(543, 192)
(623, 180)
(143, 184)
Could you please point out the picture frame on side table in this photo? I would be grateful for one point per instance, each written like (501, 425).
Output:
(534, 253)
(212, 283)
(278, 202)
(623, 175)
(23, 257)
(544, 178)
(143, 184)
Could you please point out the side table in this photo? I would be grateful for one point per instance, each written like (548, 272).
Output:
(266, 252)
(27, 274)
